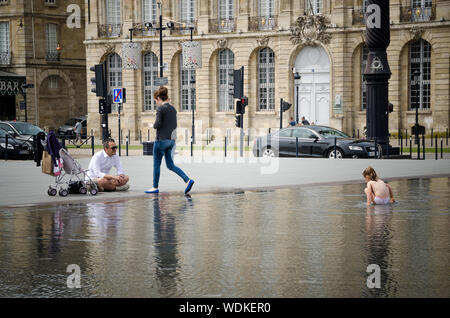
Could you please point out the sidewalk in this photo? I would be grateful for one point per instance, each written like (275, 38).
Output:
(22, 183)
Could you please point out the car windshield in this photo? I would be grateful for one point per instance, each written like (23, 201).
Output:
(26, 129)
(71, 122)
(331, 133)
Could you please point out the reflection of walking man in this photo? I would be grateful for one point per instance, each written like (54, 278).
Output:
(165, 124)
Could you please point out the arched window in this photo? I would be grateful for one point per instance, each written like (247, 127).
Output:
(150, 75)
(187, 88)
(266, 80)
(419, 60)
(226, 64)
(114, 75)
(364, 54)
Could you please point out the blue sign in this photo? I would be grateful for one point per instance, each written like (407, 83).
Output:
(117, 95)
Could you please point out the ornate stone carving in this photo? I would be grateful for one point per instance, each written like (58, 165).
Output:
(310, 30)
(109, 49)
(222, 43)
(416, 32)
(263, 41)
(147, 46)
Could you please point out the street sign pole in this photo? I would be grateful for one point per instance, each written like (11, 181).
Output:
(120, 132)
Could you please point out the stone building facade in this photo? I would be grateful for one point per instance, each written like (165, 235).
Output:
(43, 42)
(323, 41)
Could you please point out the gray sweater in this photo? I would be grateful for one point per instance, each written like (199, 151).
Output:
(166, 121)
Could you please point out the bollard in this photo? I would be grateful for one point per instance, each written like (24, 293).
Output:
(148, 134)
(258, 146)
(410, 147)
(296, 147)
(418, 150)
(225, 148)
(436, 147)
(423, 146)
(6, 145)
(398, 137)
(401, 145)
(446, 134)
(335, 147)
(431, 137)
(358, 133)
(140, 136)
(406, 137)
(441, 147)
(92, 144)
(64, 142)
(192, 147)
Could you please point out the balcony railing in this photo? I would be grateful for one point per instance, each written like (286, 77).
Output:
(140, 29)
(184, 29)
(262, 23)
(222, 25)
(109, 30)
(52, 56)
(5, 58)
(417, 14)
(359, 17)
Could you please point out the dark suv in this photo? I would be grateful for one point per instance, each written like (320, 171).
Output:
(67, 131)
(313, 141)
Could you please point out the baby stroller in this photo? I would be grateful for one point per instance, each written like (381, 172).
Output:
(70, 177)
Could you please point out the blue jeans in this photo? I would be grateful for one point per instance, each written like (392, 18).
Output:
(163, 148)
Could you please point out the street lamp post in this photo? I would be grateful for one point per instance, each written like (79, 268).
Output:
(417, 84)
(297, 78)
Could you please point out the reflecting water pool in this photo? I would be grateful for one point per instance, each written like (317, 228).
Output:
(309, 241)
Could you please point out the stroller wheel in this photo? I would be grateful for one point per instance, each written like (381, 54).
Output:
(83, 190)
(93, 191)
(63, 192)
(51, 192)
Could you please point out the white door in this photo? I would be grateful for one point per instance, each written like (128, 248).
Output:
(314, 90)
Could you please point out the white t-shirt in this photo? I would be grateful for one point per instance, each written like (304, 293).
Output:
(101, 164)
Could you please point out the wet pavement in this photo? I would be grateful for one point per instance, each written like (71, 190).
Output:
(305, 241)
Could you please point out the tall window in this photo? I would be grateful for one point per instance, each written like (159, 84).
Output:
(266, 80)
(313, 6)
(226, 20)
(114, 75)
(187, 11)
(149, 13)
(186, 87)
(420, 60)
(364, 54)
(113, 17)
(51, 41)
(150, 75)
(226, 64)
(4, 39)
(421, 10)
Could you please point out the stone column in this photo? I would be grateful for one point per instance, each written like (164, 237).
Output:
(204, 15)
(243, 15)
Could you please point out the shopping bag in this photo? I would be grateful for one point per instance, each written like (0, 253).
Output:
(47, 164)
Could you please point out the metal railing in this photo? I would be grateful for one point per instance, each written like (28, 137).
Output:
(222, 25)
(260, 23)
(109, 30)
(417, 14)
(52, 56)
(140, 30)
(184, 29)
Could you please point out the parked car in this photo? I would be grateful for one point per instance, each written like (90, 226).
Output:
(20, 130)
(67, 131)
(314, 141)
(16, 148)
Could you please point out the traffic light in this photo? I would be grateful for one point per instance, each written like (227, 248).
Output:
(99, 80)
(286, 106)
(238, 82)
(238, 119)
(244, 101)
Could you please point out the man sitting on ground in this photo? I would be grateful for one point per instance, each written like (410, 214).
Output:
(100, 165)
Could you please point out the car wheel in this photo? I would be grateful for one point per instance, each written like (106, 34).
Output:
(269, 152)
(339, 154)
(63, 192)
(51, 192)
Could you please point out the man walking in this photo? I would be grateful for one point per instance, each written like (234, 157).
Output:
(165, 125)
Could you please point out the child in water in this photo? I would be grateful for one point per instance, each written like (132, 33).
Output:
(377, 191)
